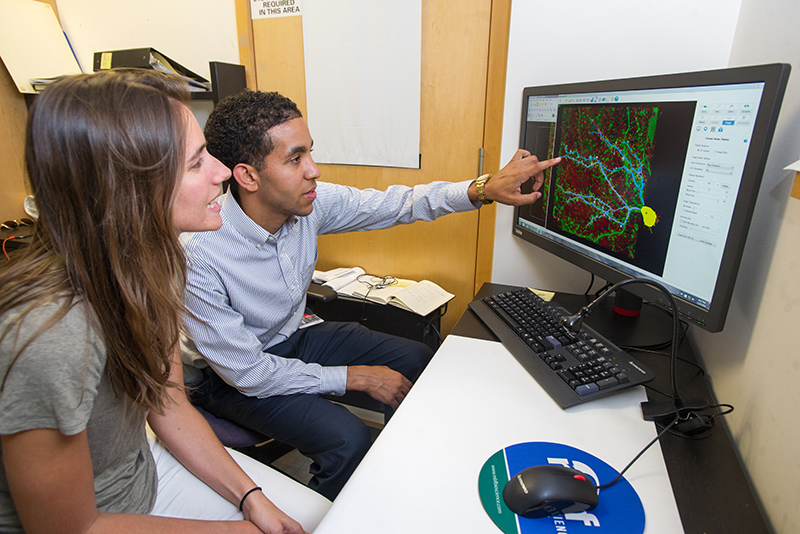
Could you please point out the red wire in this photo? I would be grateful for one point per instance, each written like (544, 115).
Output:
(4, 245)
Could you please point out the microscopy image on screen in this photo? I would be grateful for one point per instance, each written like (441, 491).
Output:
(612, 189)
(601, 194)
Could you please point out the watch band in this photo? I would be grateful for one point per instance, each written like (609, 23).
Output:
(481, 186)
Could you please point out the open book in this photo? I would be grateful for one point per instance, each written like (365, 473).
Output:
(419, 297)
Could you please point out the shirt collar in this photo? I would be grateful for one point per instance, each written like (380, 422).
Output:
(247, 226)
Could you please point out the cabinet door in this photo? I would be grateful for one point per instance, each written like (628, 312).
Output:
(455, 63)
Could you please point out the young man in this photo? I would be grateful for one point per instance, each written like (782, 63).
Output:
(247, 282)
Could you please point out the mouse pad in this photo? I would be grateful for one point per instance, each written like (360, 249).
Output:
(619, 511)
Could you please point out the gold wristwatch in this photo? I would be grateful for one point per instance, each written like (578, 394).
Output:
(481, 185)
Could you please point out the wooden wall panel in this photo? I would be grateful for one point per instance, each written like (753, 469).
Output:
(279, 58)
(13, 118)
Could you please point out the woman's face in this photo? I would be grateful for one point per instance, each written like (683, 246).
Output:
(196, 208)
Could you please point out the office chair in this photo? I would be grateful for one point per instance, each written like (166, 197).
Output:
(231, 434)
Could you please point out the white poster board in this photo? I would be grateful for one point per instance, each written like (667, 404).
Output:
(362, 61)
(32, 43)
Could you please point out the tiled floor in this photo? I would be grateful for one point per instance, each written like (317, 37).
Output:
(296, 465)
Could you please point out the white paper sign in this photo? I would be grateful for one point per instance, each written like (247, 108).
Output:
(268, 9)
(363, 81)
(793, 167)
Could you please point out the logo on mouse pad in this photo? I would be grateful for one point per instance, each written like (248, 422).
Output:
(619, 511)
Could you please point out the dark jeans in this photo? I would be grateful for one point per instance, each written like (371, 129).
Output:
(328, 433)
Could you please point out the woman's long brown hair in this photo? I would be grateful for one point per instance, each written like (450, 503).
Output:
(104, 155)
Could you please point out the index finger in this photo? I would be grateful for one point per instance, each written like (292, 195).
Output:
(546, 164)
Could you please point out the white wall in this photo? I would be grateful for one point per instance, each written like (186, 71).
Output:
(191, 32)
(579, 40)
(752, 363)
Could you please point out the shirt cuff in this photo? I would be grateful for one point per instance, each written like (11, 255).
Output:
(462, 199)
(333, 380)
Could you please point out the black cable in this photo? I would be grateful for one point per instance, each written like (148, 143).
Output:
(364, 301)
(379, 283)
(591, 283)
(619, 476)
(721, 413)
(651, 388)
(436, 330)
(602, 289)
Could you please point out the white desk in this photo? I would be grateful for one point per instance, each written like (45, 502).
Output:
(421, 475)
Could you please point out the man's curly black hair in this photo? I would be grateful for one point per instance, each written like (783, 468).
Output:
(237, 131)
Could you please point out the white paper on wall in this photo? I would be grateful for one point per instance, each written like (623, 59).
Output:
(362, 61)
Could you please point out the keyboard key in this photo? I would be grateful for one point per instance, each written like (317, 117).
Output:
(586, 389)
(565, 375)
(607, 383)
(550, 342)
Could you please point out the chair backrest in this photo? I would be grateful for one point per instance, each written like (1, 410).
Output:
(231, 434)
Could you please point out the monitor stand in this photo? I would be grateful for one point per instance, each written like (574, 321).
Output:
(650, 329)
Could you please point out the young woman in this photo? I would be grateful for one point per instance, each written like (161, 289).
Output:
(90, 317)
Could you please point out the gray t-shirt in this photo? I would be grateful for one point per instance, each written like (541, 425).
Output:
(60, 382)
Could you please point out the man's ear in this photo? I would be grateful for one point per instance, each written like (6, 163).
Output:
(247, 177)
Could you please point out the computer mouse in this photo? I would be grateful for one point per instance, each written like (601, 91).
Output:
(544, 490)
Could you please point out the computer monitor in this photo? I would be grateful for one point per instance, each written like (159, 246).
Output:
(658, 179)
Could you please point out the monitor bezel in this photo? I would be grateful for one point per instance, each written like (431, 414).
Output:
(775, 77)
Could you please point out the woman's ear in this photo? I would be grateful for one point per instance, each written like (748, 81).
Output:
(247, 177)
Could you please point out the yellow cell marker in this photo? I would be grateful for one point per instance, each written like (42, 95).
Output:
(649, 216)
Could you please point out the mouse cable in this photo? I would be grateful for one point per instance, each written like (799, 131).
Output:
(619, 476)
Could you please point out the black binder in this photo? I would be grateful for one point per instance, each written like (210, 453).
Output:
(147, 58)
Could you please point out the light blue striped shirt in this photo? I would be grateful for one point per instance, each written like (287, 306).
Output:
(247, 288)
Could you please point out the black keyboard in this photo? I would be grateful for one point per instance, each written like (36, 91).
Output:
(573, 368)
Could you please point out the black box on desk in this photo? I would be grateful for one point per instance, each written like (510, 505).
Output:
(382, 318)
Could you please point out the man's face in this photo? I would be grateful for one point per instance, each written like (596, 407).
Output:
(288, 179)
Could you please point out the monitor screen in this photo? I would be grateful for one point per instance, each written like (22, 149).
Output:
(658, 178)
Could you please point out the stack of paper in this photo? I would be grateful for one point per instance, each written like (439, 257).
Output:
(418, 297)
(342, 280)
